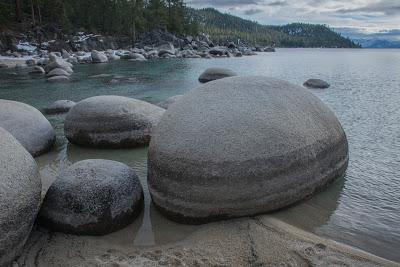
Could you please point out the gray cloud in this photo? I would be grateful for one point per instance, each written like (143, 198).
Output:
(252, 11)
(225, 3)
(278, 3)
(387, 7)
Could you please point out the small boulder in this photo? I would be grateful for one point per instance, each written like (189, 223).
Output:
(55, 63)
(58, 79)
(92, 197)
(98, 57)
(27, 125)
(169, 101)
(37, 70)
(20, 192)
(316, 83)
(59, 106)
(111, 122)
(58, 72)
(212, 74)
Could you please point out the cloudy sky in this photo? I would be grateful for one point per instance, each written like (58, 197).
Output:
(368, 16)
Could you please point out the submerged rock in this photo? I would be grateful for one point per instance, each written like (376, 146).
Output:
(92, 197)
(58, 79)
(242, 146)
(316, 83)
(37, 70)
(27, 125)
(59, 106)
(111, 122)
(212, 74)
(20, 189)
(58, 72)
(169, 101)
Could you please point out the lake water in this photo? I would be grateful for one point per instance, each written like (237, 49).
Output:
(362, 209)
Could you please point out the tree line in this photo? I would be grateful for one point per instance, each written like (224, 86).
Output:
(125, 17)
(226, 27)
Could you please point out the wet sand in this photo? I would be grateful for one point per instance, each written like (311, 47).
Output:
(256, 241)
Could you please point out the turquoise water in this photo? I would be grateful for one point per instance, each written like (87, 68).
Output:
(362, 209)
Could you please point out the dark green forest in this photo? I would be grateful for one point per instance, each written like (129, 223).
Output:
(134, 17)
(111, 17)
(228, 27)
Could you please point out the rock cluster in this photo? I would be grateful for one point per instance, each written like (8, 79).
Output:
(241, 146)
(27, 125)
(92, 197)
(111, 122)
(57, 69)
(20, 189)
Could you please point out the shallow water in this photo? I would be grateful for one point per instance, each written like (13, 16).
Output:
(362, 209)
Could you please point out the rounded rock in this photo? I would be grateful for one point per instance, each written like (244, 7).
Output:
(58, 72)
(111, 122)
(316, 83)
(242, 146)
(58, 79)
(59, 106)
(92, 197)
(19, 197)
(27, 125)
(212, 74)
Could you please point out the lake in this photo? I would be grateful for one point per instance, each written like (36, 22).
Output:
(362, 209)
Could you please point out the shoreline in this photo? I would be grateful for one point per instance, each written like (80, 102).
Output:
(256, 241)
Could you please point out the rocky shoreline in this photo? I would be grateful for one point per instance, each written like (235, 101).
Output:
(90, 48)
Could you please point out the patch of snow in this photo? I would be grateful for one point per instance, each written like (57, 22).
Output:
(26, 46)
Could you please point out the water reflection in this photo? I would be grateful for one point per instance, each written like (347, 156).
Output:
(316, 211)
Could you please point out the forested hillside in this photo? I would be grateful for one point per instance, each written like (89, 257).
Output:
(112, 17)
(225, 26)
(134, 17)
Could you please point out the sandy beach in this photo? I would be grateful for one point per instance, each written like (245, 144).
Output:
(257, 241)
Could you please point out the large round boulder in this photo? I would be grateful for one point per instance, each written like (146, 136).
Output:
(27, 125)
(111, 122)
(243, 146)
(212, 74)
(92, 197)
(20, 189)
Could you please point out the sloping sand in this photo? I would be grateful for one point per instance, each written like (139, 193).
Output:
(258, 241)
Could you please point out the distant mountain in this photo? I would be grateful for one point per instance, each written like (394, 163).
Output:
(381, 39)
(226, 27)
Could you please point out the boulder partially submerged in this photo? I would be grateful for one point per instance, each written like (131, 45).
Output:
(242, 146)
(92, 197)
(212, 74)
(27, 125)
(59, 106)
(111, 122)
(20, 189)
(316, 83)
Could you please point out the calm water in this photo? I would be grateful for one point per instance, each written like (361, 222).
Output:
(362, 209)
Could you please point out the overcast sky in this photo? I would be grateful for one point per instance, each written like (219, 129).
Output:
(363, 15)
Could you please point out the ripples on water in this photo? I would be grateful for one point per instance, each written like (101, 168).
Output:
(362, 209)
